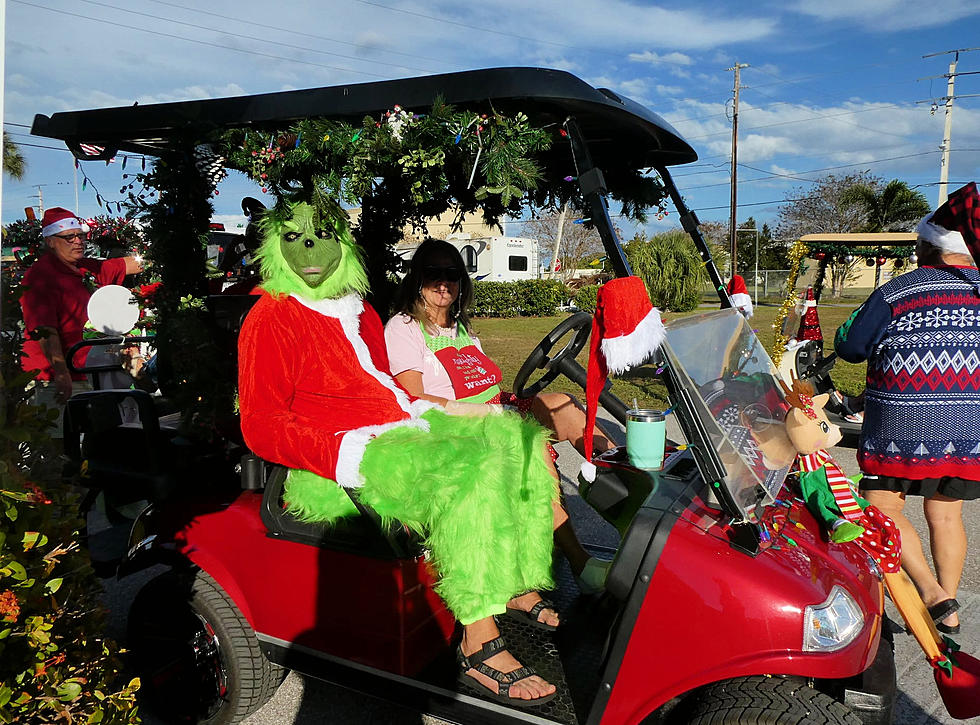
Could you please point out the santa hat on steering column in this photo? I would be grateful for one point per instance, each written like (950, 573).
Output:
(626, 331)
(740, 295)
(955, 226)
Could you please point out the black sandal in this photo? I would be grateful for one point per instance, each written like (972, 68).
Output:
(477, 661)
(940, 610)
(531, 616)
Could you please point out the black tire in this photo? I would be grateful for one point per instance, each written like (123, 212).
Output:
(196, 655)
(762, 701)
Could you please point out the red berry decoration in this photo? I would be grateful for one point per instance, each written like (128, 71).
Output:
(881, 261)
(820, 255)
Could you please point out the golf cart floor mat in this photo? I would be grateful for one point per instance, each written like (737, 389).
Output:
(536, 648)
(571, 657)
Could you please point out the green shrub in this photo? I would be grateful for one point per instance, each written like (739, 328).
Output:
(671, 268)
(530, 297)
(585, 298)
(55, 665)
(493, 299)
(540, 297)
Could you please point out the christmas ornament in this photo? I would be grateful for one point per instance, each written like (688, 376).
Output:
(210, 165)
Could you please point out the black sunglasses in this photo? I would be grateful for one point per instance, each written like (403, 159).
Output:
(439, 274)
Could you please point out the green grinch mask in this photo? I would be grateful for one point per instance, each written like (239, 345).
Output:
(310, 253)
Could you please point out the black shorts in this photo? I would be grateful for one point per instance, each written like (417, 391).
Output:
(949, 486)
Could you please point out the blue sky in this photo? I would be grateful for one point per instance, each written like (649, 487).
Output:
(832, 86)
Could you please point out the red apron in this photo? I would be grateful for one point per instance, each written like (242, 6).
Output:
(474, 376)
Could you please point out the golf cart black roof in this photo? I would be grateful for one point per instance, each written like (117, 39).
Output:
(620, 132)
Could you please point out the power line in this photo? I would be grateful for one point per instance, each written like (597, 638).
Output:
(198, 42)
(779, 123)
(291, 31)
(829, 168)
(252, 37)
(503, 32)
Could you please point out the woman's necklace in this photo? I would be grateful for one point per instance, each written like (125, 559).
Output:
(441, 331)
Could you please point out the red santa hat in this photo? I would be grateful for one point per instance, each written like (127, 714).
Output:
(739, 294)
(626, 331)
(955, 226)
(57, 220)
(809, 320)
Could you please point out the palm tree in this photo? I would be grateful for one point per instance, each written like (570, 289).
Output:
(671, 268)
(896, 208)
(13, 162)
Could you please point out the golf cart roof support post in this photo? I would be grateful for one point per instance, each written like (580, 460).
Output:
(593, 187)
(689, 221)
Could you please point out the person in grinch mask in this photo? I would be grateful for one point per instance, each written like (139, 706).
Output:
(435, 357)
(317, 396)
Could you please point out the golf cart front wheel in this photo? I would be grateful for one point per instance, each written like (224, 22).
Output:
(196, 655)
(763, 701)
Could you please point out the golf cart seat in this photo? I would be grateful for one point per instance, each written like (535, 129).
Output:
(364, 534)
(132, 459)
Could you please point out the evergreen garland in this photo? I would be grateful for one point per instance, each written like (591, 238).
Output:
(193, 371)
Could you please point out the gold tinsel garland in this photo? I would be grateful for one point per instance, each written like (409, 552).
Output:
(797, 253)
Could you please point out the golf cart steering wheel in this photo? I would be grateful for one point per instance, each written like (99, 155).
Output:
(580, 324)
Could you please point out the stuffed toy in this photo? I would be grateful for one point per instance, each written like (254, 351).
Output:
(317, 396)
(831, 498)
(829, 494)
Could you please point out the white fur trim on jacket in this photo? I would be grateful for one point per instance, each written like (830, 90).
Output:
(347, 310)
(352, 445)
(627, 351)
(946, 240)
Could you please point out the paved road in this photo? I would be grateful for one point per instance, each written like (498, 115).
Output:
(302, 701)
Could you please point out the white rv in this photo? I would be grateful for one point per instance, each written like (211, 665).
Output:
(494, 259)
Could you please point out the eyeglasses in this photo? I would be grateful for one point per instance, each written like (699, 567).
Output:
(440, 274)
(71, 235)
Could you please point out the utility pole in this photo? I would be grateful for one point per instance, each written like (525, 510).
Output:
(732, 234)
(40, 195)
(948, 123)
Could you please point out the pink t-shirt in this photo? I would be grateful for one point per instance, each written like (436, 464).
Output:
(407, 351)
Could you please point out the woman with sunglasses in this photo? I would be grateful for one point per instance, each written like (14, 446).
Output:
(434, 357)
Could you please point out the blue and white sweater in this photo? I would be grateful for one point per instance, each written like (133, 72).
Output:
(920, 334)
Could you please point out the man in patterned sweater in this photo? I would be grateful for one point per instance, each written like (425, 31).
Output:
(920, 334)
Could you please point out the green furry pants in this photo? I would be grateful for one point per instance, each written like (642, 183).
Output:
(479, 491)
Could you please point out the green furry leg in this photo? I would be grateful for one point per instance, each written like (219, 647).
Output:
(480, 491)
(313, 498)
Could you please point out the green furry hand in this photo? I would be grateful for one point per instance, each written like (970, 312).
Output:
(846, 532)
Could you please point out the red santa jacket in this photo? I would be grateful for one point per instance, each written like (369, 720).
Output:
(315, 387)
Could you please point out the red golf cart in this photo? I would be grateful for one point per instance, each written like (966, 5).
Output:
(708, 614)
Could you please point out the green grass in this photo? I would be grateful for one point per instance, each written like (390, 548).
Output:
(510, 341)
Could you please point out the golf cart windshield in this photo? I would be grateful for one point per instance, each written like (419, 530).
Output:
(737, 397)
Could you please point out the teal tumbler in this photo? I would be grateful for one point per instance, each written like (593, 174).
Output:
(646, 434)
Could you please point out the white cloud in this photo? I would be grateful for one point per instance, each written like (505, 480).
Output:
(648, 56)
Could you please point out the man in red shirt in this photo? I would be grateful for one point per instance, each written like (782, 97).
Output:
(55, 301)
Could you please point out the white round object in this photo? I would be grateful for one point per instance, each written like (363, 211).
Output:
(113, 310)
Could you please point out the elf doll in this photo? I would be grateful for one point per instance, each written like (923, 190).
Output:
(317, 396)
